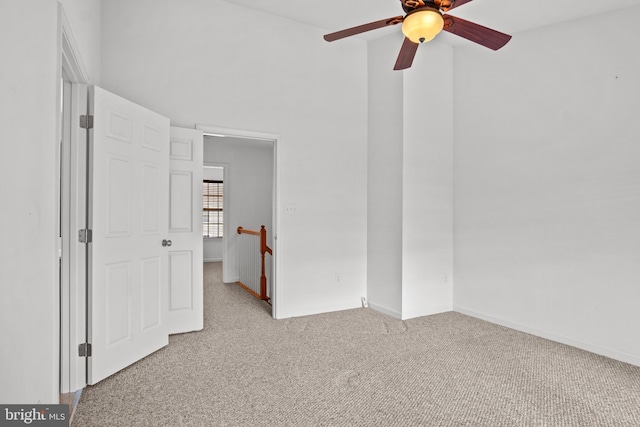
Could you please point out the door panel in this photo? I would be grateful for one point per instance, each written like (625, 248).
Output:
(118, 307)
(181, 213)
(151, 209)
(152, 292)
(118, 204)
(185, 231)
(181, 282)
(129, 218)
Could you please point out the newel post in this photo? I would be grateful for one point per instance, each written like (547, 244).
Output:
(263, 250)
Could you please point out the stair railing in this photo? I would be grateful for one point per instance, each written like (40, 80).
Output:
(249, 263)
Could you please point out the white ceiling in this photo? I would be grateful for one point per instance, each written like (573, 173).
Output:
(508, 16)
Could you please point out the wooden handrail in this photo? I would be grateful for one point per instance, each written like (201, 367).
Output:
(243, 231)
(263, 249)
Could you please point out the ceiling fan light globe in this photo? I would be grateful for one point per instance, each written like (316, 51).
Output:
(422, 26)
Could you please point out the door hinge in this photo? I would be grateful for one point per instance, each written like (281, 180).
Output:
(86, 122)
(84, 350)
(85, 236)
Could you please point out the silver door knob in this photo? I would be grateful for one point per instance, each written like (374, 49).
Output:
(166, 242)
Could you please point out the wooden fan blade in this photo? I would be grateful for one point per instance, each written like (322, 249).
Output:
(362, 28)
(407, 53)
(476, 33)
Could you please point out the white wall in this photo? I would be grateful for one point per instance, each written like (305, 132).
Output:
(385, 155)
(547, 183)
(410, 193)
(210, 62)
(28, 308)
(248, 191)
(29, 315)
(212, 247)
(427, 203)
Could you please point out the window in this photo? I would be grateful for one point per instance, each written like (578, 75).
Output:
(212, 202)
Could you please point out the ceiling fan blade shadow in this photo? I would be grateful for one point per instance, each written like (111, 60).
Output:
(476, 33)
(407, 53)
(363, 28)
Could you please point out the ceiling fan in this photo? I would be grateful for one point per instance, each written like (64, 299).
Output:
(423, 21)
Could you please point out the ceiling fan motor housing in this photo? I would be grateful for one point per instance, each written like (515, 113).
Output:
(411, 5)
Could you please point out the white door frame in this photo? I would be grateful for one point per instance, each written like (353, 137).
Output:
(72, 208)
(265, 136)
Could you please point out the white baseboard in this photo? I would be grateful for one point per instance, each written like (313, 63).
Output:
(427, 311)
(593, 348)
(385, 310)
(213, 260)
(308, 311)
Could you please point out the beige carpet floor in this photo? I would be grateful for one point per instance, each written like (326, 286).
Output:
(359, 368)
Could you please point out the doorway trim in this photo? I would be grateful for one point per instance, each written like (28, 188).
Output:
(210, 130)
(71, 200)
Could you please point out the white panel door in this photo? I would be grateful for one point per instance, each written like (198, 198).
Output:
(128, 205)
(185, 231)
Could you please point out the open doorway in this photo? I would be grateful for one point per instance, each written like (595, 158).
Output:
(248, 161)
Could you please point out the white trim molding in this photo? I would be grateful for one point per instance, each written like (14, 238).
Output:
(237, 133)
(72, 297)
(593, 348)
(70, 57)
(427, 311)
(384, 310)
